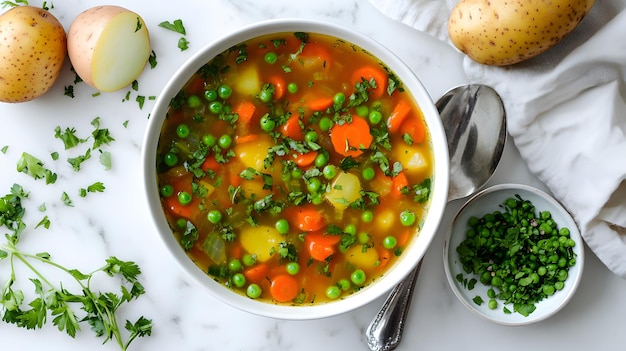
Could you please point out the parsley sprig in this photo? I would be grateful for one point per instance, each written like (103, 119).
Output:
(98, 309)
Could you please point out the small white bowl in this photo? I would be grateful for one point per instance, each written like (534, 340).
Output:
(488, 201)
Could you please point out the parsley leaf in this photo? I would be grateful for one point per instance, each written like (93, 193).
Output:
(68, 137)
(422, 191)
(77, 161)
(34, 167)
(177, 26)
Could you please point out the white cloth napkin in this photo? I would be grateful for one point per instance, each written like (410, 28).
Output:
(566, 112)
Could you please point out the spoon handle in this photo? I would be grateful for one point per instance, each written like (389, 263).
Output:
(385, 330)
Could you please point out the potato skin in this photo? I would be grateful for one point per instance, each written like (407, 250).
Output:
(505, 32)
(32, 51)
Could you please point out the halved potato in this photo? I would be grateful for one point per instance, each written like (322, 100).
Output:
(108, 47)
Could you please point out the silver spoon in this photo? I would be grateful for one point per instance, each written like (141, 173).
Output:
(474, 121)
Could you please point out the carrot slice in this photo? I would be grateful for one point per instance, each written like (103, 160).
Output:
(320, 103)
(306, 159)
(349, 138)
(279, 86)
(307, 218)
(398, 115)
(292, 129)
(173, 205)
(320, 246)
(415, 128)
(256, 274)
(185, 211)
(210, 163)
(404, 236)
(314, 55)
(284, 288)
(399, 182)
(371, 72)
(384, 256)
(242, 139)
(245, 110)
(196, 86)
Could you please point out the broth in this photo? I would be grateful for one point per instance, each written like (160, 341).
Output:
(294, 168)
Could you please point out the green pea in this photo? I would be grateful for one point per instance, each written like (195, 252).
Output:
(208, 140)
(239, 280)
(339, 99)
(407, 218)
(561, 275)
(310, 136)
(548, 289)
(267, 123)
(182, 131)
(296, 173)
(390, 242)
(170, 159)
(210, 95)
(314, 185)
(292, 268)
(167, 190)
(362, 111)
(292, 88)
(271, 57)
(321, 160)
(367, 216)
(266, 95)
(194, 101)
(363, 238)
(216, 107)
(559, 285)
(282, 226)
(333, 292)
(350, 229)
(325, 124)
(496, 281)
(358, 277)
(254, 291)
(344, 284)
(492, 304)
(225, 141)
(184, 198)
(542, 270)
(224, 91)
(317, 199)
(248, 260)
(375, 117)
(234, 265)
(329, 171)
(368, 173)
(214, 216)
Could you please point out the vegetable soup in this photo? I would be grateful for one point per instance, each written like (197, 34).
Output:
(293, 168)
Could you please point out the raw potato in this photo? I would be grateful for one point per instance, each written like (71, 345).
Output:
(108, 46)
(32, 51)
(504, 32)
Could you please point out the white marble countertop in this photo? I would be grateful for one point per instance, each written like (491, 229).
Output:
(116, 222)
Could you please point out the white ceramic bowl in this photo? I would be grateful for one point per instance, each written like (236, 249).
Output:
(410, 256)
(488, 201)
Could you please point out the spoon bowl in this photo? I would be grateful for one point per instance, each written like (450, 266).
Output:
(474, 122)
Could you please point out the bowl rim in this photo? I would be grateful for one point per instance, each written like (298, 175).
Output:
(414, 252)
(515, 319)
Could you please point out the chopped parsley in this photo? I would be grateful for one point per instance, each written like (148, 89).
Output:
(34, 167)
